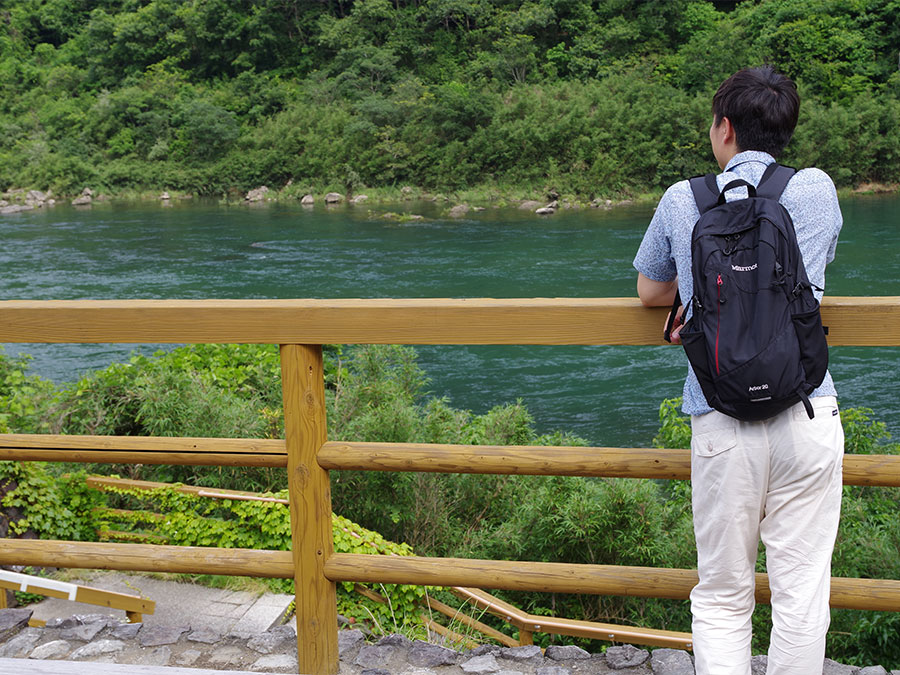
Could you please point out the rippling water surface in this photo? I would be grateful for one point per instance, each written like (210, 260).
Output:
(609, 395)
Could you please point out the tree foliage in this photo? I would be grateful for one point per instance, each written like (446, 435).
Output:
(593, 98)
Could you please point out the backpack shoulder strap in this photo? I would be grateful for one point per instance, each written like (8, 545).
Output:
(774, 180)
(706, 191)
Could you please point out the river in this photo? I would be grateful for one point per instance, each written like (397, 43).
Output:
(609, 395)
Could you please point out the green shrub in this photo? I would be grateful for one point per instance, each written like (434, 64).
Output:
(50, 507)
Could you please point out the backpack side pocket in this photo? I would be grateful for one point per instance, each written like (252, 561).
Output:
(698, 353)
(813, 347)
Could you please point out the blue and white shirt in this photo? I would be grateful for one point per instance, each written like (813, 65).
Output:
(665, 252)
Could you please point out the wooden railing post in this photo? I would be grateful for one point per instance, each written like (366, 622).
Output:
(303, 388)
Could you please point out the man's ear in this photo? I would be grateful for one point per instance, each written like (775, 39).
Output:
(727, 131)
(724, 131)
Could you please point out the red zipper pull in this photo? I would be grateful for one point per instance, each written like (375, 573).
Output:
(719, 280)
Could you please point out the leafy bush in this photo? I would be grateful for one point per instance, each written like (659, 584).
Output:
(24, 398)
(166, 515)
(50, 507)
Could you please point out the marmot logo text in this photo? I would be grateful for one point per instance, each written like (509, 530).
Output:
(759, 387)
(749, 268)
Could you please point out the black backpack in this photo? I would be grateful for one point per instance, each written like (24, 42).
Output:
(755, 337)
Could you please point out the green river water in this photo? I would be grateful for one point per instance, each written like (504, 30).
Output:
(609, 395)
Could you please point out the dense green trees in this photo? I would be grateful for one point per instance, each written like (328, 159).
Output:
(585, 96)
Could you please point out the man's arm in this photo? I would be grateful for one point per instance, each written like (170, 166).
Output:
(656, 293)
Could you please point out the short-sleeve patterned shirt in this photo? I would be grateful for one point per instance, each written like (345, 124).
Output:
(665, 252)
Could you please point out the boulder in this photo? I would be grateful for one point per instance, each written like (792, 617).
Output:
(459, 210)
(835, 668)
(257, 194)
(86, 631)
(165, 196)
(625, 656)
(334, 198)
(20, 645)
(155, 636)
(308, 200)
(565, 652)
(530, 205)
(481, 664)
(426, 655)
(348, 640)
(671, 662)
(83, 200)
(521, 653)
(374, 656)
(545, 211)
(48, 651)
(35, 197)
(15, 208)
(359, 199)
(94, 649)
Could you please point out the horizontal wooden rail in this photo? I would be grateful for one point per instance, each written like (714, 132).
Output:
(587, 629)
(235, 562)
(870, 321)
(873, 594)
(509, 459)
(144, 450)
(882, 470)
(106, 482)
(134, 606)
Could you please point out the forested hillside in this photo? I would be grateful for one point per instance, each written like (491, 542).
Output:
(589, 97)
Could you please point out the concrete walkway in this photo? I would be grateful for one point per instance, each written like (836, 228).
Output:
(237, 613)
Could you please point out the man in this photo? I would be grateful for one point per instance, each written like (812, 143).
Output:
(778, 479)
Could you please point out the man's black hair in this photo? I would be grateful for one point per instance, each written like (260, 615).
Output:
(762, 106)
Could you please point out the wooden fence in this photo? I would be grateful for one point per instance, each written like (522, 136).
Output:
(301, 327)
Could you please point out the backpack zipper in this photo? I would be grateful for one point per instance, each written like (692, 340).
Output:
(718, 316)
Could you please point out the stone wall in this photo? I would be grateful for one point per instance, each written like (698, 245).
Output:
(99, 638)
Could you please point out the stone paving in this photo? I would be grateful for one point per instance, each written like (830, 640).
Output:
(104, 639)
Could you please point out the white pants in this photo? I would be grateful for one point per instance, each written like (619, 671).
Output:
(779, 480)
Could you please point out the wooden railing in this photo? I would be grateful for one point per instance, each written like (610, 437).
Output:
(134, 606)
(301, 327)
